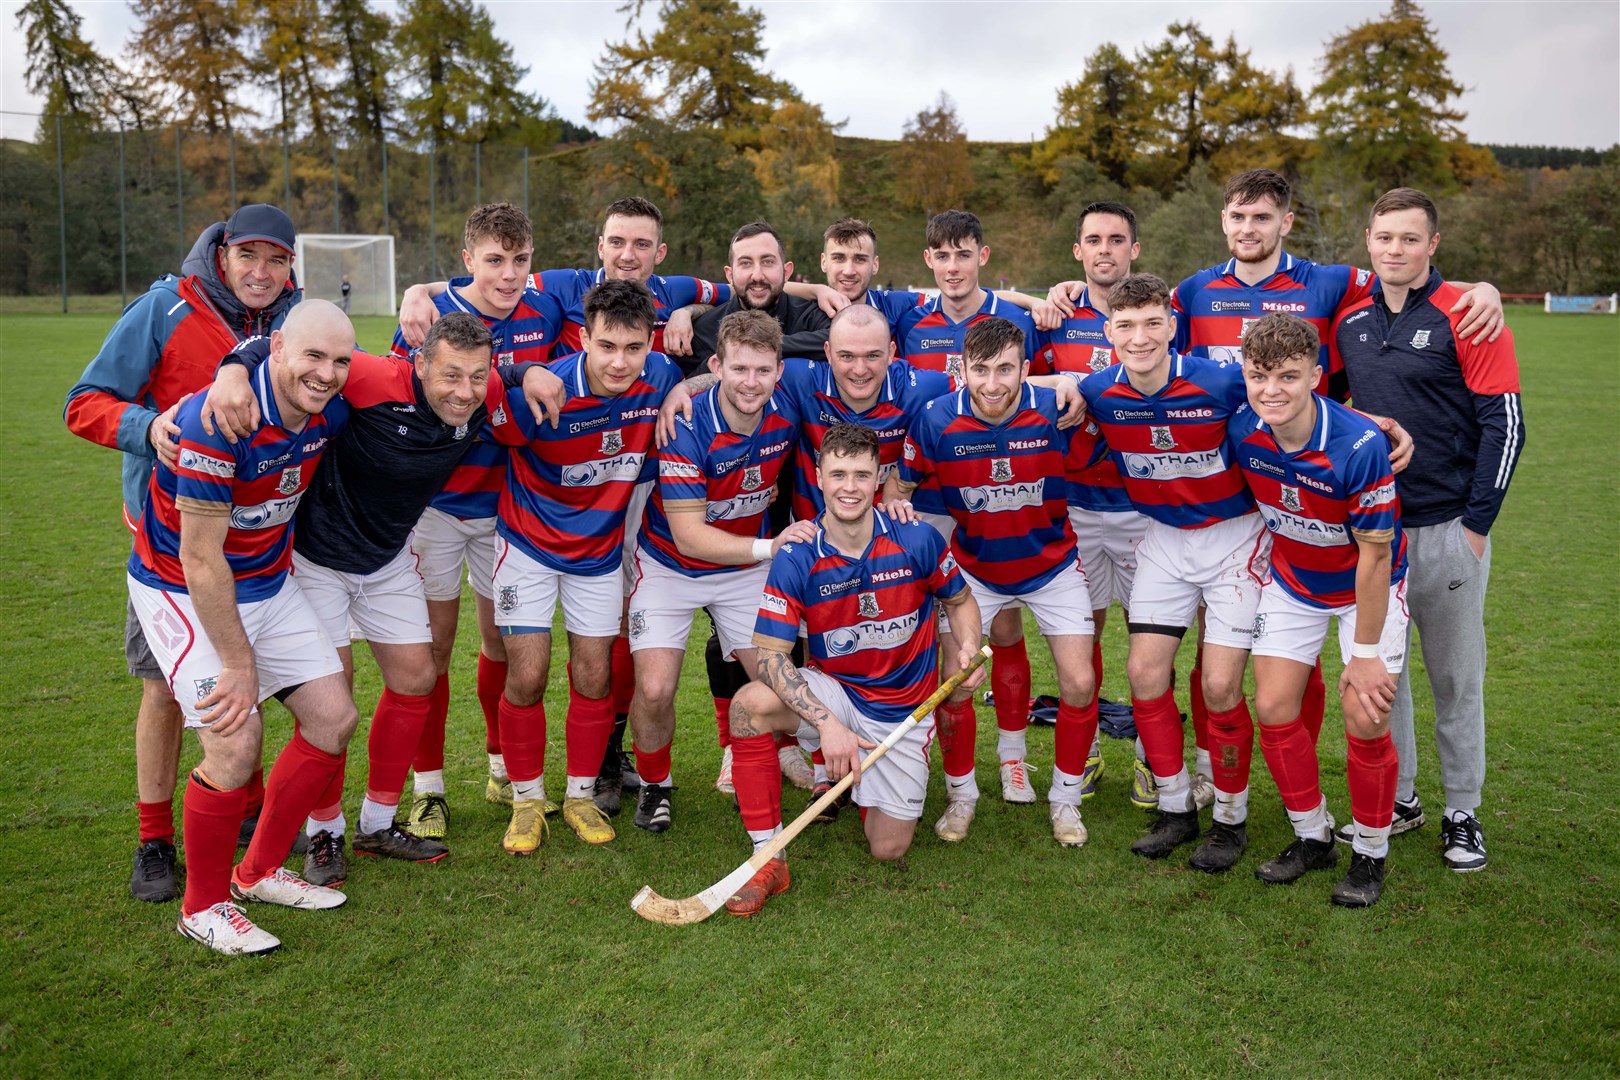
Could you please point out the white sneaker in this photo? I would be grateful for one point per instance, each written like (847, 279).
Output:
(289, 890)
(952, 825)
(1067, 828)
(1015, 785)
(1203, 791)
(722, 783)
(225, 929)
(796, 767)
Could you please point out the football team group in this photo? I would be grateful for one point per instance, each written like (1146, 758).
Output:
(857, 485)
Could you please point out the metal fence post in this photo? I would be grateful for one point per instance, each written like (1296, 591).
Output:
(337, 219)
(478, 174)
(433, 205)
(123, 226)
(179, 193)
(286, 167)
(231, 132)
(525, 181)
(384, 140)
(61, 208)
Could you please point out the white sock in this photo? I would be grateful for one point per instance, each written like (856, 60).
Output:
(962, 787)
(1232, 808)
(1141, 751)
(1312, 824)
(820, 770)
(1010, 745)
(580, 787)
(1065, 788)
(376, 816)
(1096, 747)
(1201, 763)
(497, 767)
(528, 789)
(761, 837)
(1370, 841)
(1454, 814)
(335, 826)
(1175, 792)
(429, 783)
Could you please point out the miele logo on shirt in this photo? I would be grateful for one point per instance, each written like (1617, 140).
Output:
(1281, 305)
(521, 339)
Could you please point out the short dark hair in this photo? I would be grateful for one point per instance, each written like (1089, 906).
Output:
(1118, 209)
(460, 330)
(756, 228)
(1257, 184)
(849, 231)
(1405, 198)
(503, 222)
(633, 206)
(750, 327)
(1278, 337)
(988, 338)
(620, 303)
(850, 440)
(1138, 291)
(952, 227)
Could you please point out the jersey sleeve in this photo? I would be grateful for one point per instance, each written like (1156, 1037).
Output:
(681, 482)
(781, 604)
(917, 459)
(1491, 372)
(206, 467)
(937, 566)
(105, 405)
(514, 425)
(1180, 300)
(399, 348)
(1370, 488)
(375, 379)
(685, 291)
(1358, 285)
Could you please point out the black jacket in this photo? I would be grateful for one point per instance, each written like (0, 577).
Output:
(804, 330)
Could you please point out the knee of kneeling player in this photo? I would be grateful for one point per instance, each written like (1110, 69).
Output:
(888, 849)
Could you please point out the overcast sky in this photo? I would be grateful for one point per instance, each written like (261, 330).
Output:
(1538, 73)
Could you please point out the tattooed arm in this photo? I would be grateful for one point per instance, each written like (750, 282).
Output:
(839, 746)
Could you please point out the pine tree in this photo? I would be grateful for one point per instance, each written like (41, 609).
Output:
(932, 171)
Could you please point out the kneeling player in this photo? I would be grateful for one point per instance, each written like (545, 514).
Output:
(865, 588)
(1321, 475)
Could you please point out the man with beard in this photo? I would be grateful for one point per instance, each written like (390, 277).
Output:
(757, 269)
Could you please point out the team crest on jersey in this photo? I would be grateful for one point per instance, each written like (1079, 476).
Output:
(612, 442)
(638, 623)
(1290, 498)
(1162, 439)
(1101, 358)
(869, 605)
(1259, 625)
(1001, 470)
(953, 365)
(751, 478)
(290, 479)
(206, 686)
(507, 601)
(1420, 339)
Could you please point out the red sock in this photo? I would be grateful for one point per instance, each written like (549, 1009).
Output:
(621, 677)
(330, 804)
(784, 739)
(491, 687)
(817, 759)
(722, 722)
(758, 778)
(523, 739)
(653, 765)
(956, 748)
(1009, 681)
(1158, 722)
(1314, 706)
(1231, 747)
(1371, 766)
(1096, 664)
(212, 819)
(1076, 727)
(586, 731)
(255, 794)
(1200, 714)
(862, 809)
(1290, 754)
(297, 781)
(157, 820)
(396, 731)
(430, 747)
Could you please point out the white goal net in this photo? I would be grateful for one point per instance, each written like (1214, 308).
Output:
(324, 261)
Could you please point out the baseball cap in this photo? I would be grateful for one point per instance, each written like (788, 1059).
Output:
(260, 221)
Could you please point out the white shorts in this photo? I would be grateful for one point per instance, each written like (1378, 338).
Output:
(1061, 606)
(289, 646)
(897, 782)
(1221, 567)
(526, 593)
(385, 606)
(1294, 631)
(664, 601)
(443, 542)
(632, 529)
(943, 524)
(1107, 543)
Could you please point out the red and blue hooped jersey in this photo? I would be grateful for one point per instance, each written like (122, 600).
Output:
(810, 385)
(1318, 501)
(894, 303)
(568, 487)
(729, 476)
(1170, 447)
(1079, 346)
(927, 338)
(669, 293)
(257, 481)
(1003, 483)
(870, 620)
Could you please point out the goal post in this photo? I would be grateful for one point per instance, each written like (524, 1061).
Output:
(1581, 305)
(323, 260)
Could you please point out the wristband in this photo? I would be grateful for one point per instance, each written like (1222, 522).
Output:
(762, 550)
(1359, 651)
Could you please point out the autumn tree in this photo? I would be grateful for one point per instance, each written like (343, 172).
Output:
(932, 171)
(194, 50)
(296, 55)
(1101, 117)
(362, 35)
(77, 82)
(797, 173)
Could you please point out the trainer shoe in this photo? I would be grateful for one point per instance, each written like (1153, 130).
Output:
(795, 767)
(1203, 789)
(325, 862)
(587, 821)
(653, 808)
(1089, 776)
(1222, 847)
(1169, 832)
(429, 817)
(1015, 785)
(1297, 860)
(1464, 843)
(286, 889)
(628, 776)
(952, 826)
(1407, 816)
(245, 831)
(156, 878)
(722, 783)
(1067, 828)
(609, 795)
(768, 880)
(225, 929)
(1144, 789)
(830, 814)
(397, 843)
(1362, 885)
(527, 830)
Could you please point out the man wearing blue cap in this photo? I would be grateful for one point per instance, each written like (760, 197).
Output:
(235, 282)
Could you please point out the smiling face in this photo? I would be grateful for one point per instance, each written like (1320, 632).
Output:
(747, 378)
(499, 275)
(850, 267)
(615, 354)
(859, 351)
(630, 248)
(956, 267)
(757, 271)
(255, 272)
(454, 381)
(309, 359)
(1141, 338)
(1105, 250)
(1280, 393)
(995, 383)
(1400, 245)
(1254, 230)
(849, 485)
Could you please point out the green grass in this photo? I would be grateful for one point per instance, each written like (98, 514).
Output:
(1004, 955)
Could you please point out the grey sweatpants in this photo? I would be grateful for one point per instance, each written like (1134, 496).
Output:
(1445, 593)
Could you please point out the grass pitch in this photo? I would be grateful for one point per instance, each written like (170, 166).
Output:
(1004, 955)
